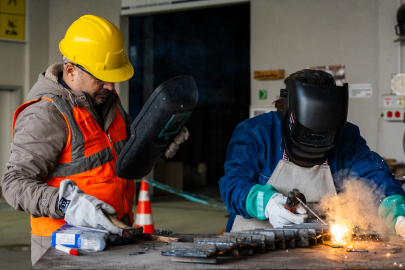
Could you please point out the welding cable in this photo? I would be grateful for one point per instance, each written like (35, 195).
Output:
(189, 196)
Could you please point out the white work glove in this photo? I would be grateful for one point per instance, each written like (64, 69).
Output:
(279, 216)
(84, 210)
(180, 138)
(400, 226)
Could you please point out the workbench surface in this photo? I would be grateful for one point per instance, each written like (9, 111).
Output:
(147, 255)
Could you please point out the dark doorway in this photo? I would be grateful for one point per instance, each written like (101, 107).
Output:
(213, 46)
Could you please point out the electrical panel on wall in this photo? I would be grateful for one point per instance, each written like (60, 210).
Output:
(393, 107)
(393, 104)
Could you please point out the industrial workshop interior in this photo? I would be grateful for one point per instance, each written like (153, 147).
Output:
(202, 134)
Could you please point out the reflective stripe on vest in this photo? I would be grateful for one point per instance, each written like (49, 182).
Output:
(88, 159)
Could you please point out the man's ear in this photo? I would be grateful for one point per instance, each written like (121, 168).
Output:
(70, 71)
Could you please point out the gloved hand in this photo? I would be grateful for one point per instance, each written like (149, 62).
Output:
(400, 226)
(180, 138)
(279, 216)
(84, 210)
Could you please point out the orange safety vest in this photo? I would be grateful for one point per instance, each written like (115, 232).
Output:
(89, 160)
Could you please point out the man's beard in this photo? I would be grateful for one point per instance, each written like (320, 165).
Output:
(100, 100)
(97, 102)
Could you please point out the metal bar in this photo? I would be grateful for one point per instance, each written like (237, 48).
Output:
(252, 240)
(270, 237)
(311, 211)
(181, 249)
(301, 237)
(326, 228)
(286, 236)
(290, 243)
(357, 250)
(222, 244)
(194, 260)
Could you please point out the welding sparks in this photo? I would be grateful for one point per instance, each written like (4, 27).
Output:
(339, 233)
(352, 213)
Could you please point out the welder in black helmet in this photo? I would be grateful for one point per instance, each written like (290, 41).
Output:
(301, 145)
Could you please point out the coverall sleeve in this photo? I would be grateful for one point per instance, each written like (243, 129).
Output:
(242, 169)
(371, 167)
(40, 135)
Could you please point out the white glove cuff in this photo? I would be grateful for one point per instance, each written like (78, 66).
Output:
(400, 226)
(270, 203)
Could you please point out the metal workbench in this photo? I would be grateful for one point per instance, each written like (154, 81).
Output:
(147, 255)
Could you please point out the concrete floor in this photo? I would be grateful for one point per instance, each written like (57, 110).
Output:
(169, 212)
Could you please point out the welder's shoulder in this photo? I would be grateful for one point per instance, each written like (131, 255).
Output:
(265, 120)
(351, 129)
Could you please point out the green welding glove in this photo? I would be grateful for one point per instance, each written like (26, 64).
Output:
(257, 199)
(392, 211)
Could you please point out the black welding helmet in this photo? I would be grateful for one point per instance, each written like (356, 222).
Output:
(155, 127)
(313, 117)
(400, 27)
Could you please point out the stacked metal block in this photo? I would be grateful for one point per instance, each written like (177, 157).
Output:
(236, 244)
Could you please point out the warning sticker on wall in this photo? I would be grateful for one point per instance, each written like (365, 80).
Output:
(387, 102)
(12, 19)
(361, 90)
(12, 26)
(16, 7)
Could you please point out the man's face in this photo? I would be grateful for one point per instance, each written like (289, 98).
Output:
(96, 89)
(79, 79)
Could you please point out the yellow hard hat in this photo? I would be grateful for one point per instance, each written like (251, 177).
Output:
(98, 46)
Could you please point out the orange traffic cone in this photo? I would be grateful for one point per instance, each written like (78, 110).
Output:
(144, 211)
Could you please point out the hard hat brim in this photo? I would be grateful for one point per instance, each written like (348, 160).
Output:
(121, 74)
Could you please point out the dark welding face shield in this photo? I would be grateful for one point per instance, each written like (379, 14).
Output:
(312, 119)
(156, 125)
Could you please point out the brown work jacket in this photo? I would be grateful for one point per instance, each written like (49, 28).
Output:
(40, 135)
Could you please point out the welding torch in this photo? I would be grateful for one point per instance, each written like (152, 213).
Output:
(292, 202)
(294, 198)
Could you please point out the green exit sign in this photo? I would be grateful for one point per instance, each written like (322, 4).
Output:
(262, 94)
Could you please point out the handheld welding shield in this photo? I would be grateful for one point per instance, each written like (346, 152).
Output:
(155, 127)
(313, 118)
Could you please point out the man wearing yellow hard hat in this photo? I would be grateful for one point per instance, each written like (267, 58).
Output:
(68, 135)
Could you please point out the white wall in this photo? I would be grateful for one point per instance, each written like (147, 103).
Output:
(63, 13)
(12, 63)
(293, 35)
(38, 42)
(20, 64)
(390, 134)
